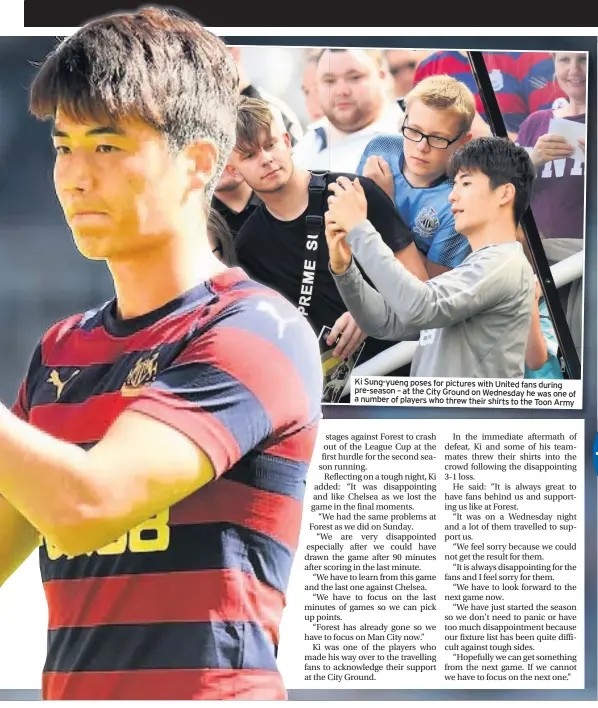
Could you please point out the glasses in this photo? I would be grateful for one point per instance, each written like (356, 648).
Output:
(434, 141)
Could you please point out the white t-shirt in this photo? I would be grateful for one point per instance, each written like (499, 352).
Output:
(319, 149)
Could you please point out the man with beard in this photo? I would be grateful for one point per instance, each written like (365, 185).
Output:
(274, 246)
(355, 98)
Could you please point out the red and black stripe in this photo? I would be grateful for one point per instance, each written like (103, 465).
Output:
(206, 610)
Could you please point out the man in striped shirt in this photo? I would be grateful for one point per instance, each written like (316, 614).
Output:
(158, 449)
(522, 81)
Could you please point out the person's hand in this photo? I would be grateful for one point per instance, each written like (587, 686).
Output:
(582, 144)
(348, 205)
(339, 250)
(377, 169)
(350, 336)
(550, 147)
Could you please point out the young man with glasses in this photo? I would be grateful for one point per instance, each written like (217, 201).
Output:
(412, 168)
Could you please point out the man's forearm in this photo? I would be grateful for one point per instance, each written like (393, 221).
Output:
(439, 302)
(404, 292)
(536, 352)
(18, 539)
(372, 314)
(82, 500)
(43, 477)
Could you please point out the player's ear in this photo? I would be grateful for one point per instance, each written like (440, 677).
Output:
(466, 137)
(506, 193)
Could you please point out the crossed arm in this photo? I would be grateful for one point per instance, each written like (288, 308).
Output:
(82, 500)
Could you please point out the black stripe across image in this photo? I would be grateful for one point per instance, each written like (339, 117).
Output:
(196, 547)
(168, 645)
(40, 13)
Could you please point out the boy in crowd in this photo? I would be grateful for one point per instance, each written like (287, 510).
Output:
(412, 168)
(273, 244)
(474, 320)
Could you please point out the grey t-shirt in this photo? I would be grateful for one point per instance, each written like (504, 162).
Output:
(473, 321)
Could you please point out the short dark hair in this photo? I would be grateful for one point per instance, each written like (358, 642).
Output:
(155, 64)
(502, 162)
(219, 228)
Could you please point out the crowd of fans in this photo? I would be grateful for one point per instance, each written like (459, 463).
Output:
(396, 119)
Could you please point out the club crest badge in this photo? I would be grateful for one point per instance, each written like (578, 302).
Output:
(143, 373)
(426, 222)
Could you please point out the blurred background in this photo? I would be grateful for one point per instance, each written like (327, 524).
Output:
(42, 276)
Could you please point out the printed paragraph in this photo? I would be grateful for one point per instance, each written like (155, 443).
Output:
(444, 557)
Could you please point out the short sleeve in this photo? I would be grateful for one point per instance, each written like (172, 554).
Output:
(253, 378)
(523, 136)
(449, 248)
(370, 149)
(21, 406)
(384, 217)
(388, 146)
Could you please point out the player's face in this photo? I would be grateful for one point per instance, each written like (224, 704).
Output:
(424, 161)
(473, 201)
(570, 70)
(120, 185)
(351, 89)
(268, 167)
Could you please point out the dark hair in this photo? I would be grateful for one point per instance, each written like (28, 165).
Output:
(155, 64)
(502, 162)
(219, 228)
